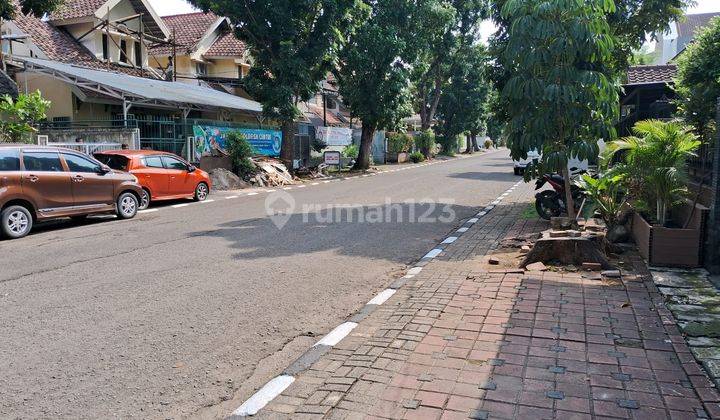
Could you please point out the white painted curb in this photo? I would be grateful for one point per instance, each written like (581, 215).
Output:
(382, 297)
(336, 335)
(266, 394)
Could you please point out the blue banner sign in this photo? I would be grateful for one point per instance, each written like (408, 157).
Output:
(211, 139)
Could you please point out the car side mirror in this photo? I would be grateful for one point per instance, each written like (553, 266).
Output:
(192, 168)
(104, 169)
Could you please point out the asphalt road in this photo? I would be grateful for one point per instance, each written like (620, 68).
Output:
(184, 311)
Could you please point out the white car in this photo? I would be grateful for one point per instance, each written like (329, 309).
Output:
(520, 165)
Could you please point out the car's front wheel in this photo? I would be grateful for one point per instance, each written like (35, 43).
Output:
(202, 191)
(16, 222)
(127, 205)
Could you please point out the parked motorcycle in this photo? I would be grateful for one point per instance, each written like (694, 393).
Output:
(552, 203)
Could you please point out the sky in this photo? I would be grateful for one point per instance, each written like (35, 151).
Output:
(173, 7)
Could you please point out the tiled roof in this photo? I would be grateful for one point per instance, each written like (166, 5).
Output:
(71, 9)
(226, 46)
(690, 24)
(315, 112)
(7, 85)
(188, 30)
(640, 75)
(58, 45)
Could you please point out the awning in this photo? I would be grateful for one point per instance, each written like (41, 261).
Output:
(141, 91)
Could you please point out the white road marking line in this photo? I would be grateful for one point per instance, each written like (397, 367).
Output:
(336, 335)
(326, 182)
(177, 206)
(473, 220)
(287, 188)
(230, 197)
(269, 191)
(481, 214)
(463, 230)
(206, 201)
(414, 271)
(382, 297)
(450, 240)
(253, 193)
(302, 186)
(148, 211)
(488, 208)
(267, 393)
(315, 183)
(496, 202)
(434, 253)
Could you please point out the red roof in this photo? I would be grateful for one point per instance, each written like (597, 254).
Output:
(187, 29)
(58, 45)
(641, 75)
(227, 45)
(71, 9)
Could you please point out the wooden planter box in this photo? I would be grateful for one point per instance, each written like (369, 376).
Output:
(671, 247)
(401, 157)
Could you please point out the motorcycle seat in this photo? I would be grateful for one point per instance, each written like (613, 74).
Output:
(557, 178)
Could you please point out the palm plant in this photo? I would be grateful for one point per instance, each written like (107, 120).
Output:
(606, 194)
(655, 162)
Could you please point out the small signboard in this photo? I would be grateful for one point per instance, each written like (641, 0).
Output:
(332, 158)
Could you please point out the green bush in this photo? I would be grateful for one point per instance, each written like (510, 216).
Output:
(417, 157)
(488, 144)
(449, 145)
(318, 145)
(240, 152)
(425, 141)
(351, 151)
(399, 143)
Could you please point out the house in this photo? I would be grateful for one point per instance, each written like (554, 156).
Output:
(647, 93)
(206, 52)
(680, 34)
(91, 59)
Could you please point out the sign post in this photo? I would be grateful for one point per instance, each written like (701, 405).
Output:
(332, 158)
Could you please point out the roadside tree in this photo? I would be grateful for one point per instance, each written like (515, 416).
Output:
(559, 97)
(17, 116)
(294, 46)
(37, 7)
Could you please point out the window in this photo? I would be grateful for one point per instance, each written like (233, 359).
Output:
(42, 161)
(9, 160)
(117, 162)
(201, 69)
(105, 47)
(77, 163)
(123, 51)
(138, 54)
(174, 163)
(153, 162)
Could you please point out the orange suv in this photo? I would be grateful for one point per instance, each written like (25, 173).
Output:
(162, 175)
(42, 183)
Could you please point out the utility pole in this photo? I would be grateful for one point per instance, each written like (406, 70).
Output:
(174, 57)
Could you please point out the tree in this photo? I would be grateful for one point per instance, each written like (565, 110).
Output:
(448, 25)
(373, 71)
(462, 106)
(294, 45)
(559, 97)
(18, 116)
(698, 81)
(8, 8)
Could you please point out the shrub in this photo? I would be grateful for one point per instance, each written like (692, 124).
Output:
(240, 152)
(449, 145)
(18, 116)
(351, 151)
(417, 157)
(488, 144)
(606, 194)
(399, 143)
(318, 145)
(424, 141)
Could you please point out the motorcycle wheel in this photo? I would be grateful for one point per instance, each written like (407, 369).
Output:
(547, 204)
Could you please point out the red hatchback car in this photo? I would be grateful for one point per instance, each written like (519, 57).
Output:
(163, 176)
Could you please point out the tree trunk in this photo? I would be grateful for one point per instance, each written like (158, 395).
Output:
(475, 143)
(287, 149)
(570, 203)
(366, 141)
(469, 148)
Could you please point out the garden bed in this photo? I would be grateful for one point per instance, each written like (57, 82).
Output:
(672, 247)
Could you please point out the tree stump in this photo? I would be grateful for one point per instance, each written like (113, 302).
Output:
(587, 248)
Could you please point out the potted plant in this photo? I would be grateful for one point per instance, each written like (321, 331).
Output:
(398, 146)
(667, 230)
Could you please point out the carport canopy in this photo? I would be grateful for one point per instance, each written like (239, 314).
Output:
(133, 90)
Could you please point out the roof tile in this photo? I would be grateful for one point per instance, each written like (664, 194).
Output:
(188, 29)
(639, 75)
(72, 9)
(689, 25)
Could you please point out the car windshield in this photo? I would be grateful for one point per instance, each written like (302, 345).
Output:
(117, 162)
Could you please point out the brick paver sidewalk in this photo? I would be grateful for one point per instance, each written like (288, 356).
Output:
(456, 342)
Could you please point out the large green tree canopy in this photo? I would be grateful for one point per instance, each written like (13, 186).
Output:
(294, 44)
(8, 8)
